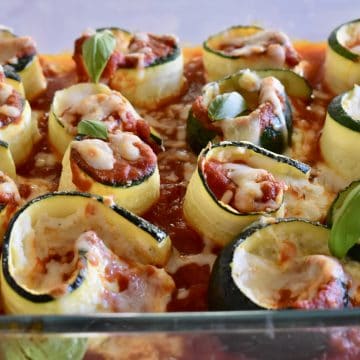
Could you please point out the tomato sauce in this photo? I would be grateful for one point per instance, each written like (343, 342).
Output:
(167, 212)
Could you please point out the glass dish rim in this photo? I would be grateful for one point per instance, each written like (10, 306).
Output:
(186, 322)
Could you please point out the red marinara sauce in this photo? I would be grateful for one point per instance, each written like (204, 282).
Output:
(167, 212)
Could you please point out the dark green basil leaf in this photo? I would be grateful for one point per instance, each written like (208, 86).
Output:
(227, 105)
(93, 128)
(345, 232)
(96, 52)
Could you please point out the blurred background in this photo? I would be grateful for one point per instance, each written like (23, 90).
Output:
(55, 24)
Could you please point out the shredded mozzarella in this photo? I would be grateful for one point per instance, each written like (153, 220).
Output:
(97, 153)
(125, 144)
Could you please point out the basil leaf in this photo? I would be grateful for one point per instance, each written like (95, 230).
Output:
(93, 128)
(227, 105)
(345, 232)
(96, 52)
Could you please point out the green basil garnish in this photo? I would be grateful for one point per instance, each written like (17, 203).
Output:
(93, 128)
(345, 231)
(96, 52)
(227, 105)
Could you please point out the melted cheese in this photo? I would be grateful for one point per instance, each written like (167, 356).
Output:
(8, 186)
(5, 91)
(125, 144)
(259, 43)
(242, 128)
(351, 103)
(10, 111)
(349, 36)
(147, 288)
(270, 91)
(97, 153)
(262, 280)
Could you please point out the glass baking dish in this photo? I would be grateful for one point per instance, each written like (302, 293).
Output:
(210, 335)
(197, 335)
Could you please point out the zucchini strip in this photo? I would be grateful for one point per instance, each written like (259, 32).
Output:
(87, 101)
(342, 63)
(7, 164)
(9, 201)
(280, 264)
(340, 138)
(227, 191)
(124, 167)
(81, 257)
(242, 47)
(27, 66)
(16, 127)
(146, 68)
(269, 119)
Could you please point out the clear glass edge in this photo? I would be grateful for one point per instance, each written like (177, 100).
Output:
(178, 322)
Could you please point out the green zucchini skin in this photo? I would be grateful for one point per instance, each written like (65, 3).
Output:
(302, 167)
(337, 112)
(10, 73)
(142, 224)
(209, 49)
(223, 293)
(338, 48)
(338, 201)
(354, 252)
(197, 136)
(271, 138)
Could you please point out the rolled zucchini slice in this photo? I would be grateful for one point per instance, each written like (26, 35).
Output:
(19, 53)
(146, 68)
(13, 79)
(153, 78)
(268, 118)
(88, 101)
(235, 184)
(77, 253)
(340, 138)
(7, 164)
(342, 63)
(277, 265)
(242, 47)
(16, 128)
(123, 167)
(343, 220)
(9, 201)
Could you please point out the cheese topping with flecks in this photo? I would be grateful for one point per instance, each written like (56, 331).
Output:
(124, 143)
(97, 153)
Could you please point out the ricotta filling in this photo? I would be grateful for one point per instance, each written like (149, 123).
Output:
(349, 37)
(351, 102)
(249, 183)
(47, 256)
(97, 153)
(260, 42)
(249, 127)
(108, 108)
(265, 281)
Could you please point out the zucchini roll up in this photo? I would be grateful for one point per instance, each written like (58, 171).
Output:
(340, 138)
(76, 253)
(241, 47)
(235, 184)
(123, 167)
(342, 64)
(20, 54)
(248, 105)
(283, 264)
(146, 68)
(16, 129)
(91, 102)
(9, 201)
